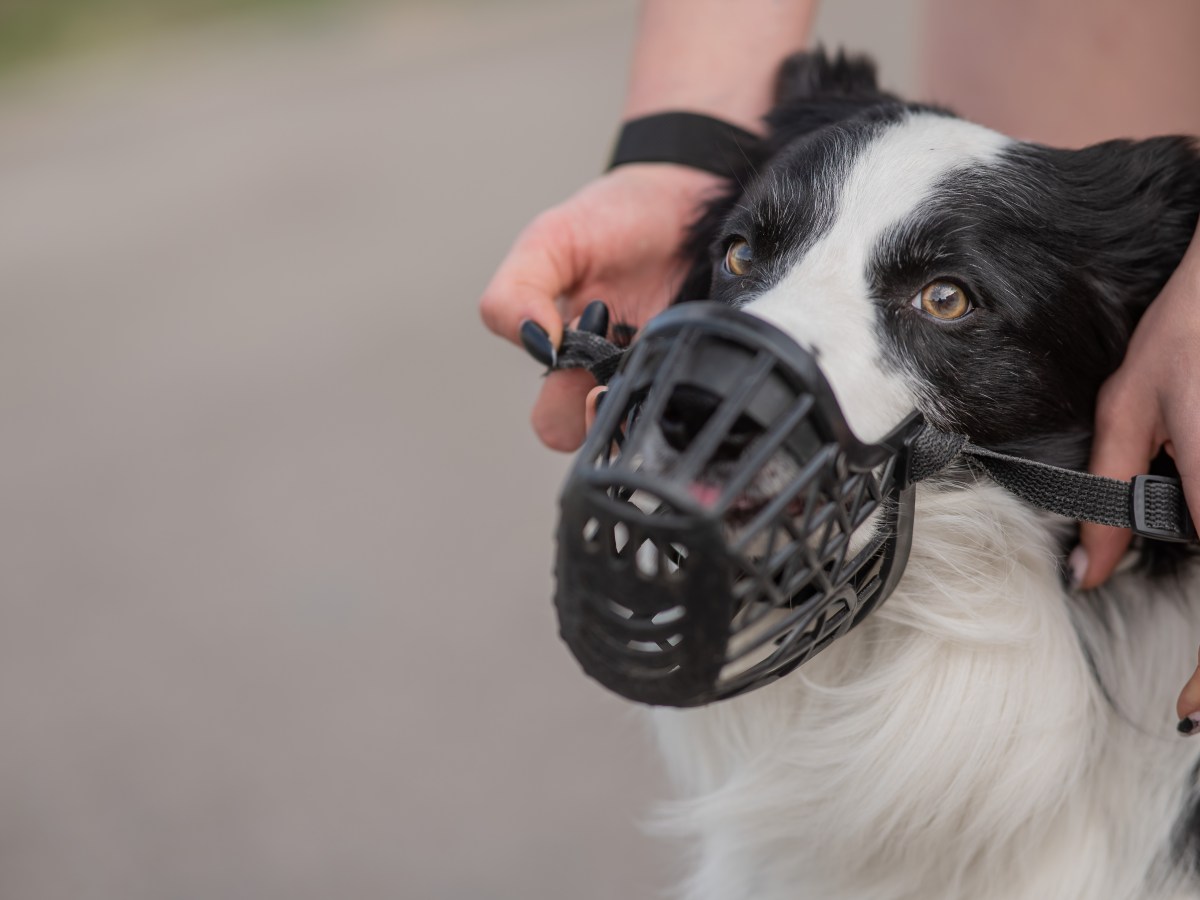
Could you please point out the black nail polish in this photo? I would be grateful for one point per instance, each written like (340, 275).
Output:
(537, 343)
(1187, 726)
(595, 318)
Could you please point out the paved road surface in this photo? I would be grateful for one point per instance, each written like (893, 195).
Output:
(274, 539)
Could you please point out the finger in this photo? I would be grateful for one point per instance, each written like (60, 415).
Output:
(1188, 704)
(595, 318)
(1100, 549)
(537, 343)
(1123, 447)
(592, 405)
(558, 414)
(1191, 497)
(538, 269)
(1182, 424)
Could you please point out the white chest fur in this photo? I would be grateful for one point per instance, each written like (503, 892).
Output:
(957, 744)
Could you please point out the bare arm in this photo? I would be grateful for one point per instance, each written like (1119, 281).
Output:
(714, 56)
(1066, 72)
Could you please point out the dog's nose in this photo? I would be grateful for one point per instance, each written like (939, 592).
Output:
(688, 411)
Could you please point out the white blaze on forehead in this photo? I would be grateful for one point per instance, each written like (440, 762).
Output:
(824, 302)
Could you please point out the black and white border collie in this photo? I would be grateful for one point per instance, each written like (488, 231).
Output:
(988, 733)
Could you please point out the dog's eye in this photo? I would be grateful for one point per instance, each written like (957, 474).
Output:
(738, 257)
(943, 300)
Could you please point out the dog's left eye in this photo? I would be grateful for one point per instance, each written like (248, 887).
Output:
(738, 258)
(943, 300)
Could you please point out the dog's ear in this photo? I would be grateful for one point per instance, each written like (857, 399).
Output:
(1122, 213)
(813, 75)
(813, 90)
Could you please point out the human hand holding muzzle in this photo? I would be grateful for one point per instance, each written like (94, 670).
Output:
(618, 236)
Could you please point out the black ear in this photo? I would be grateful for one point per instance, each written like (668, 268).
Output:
(813, 75)
(812, 90)
(1120, 213)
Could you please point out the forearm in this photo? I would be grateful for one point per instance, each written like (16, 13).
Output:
(717, 57)
(1085, 71)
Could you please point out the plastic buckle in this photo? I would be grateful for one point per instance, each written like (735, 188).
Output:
(1137, 512)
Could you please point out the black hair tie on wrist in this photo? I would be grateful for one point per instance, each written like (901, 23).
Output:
(690, 139)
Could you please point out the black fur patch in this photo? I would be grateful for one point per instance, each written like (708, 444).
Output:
(812, 91)
(1061, 251)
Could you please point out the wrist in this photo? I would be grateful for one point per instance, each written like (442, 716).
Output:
(746, 113)
(690, 139)
(673, 178)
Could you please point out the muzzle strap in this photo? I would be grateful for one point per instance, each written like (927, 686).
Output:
(932, 451)
(584, 350)
(1150, 505)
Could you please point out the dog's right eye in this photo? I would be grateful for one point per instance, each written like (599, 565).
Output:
(739, 257)
(943, 300)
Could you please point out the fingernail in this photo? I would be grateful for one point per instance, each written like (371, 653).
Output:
(1190, 725)
(1077, 564)
(537, 343)
(595, 318)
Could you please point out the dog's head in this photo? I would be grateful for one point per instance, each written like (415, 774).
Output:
(933, 264)
(928, 264)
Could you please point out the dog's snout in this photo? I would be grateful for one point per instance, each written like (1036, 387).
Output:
(688, 411)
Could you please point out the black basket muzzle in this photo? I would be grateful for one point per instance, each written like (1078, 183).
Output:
(722, 524)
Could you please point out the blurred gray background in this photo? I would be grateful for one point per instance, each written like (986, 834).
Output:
(275, 539)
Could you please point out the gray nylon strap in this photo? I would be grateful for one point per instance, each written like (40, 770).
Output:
(584, 350)
(1077, 495)
(932, 451)
(1151, 506)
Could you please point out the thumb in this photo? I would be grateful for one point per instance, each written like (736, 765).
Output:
(1188, 704)
(1123, 447)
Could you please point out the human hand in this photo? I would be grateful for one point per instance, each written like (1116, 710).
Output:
(1188, 704)
(617, 239)
(1152, 401)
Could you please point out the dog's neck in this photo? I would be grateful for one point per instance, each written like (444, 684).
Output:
(945, 748)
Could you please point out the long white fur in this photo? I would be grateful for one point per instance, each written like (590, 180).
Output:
(955, 745)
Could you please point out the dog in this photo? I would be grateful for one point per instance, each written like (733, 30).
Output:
(989, 732)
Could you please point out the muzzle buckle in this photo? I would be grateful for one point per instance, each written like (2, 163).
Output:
(1155, 510)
